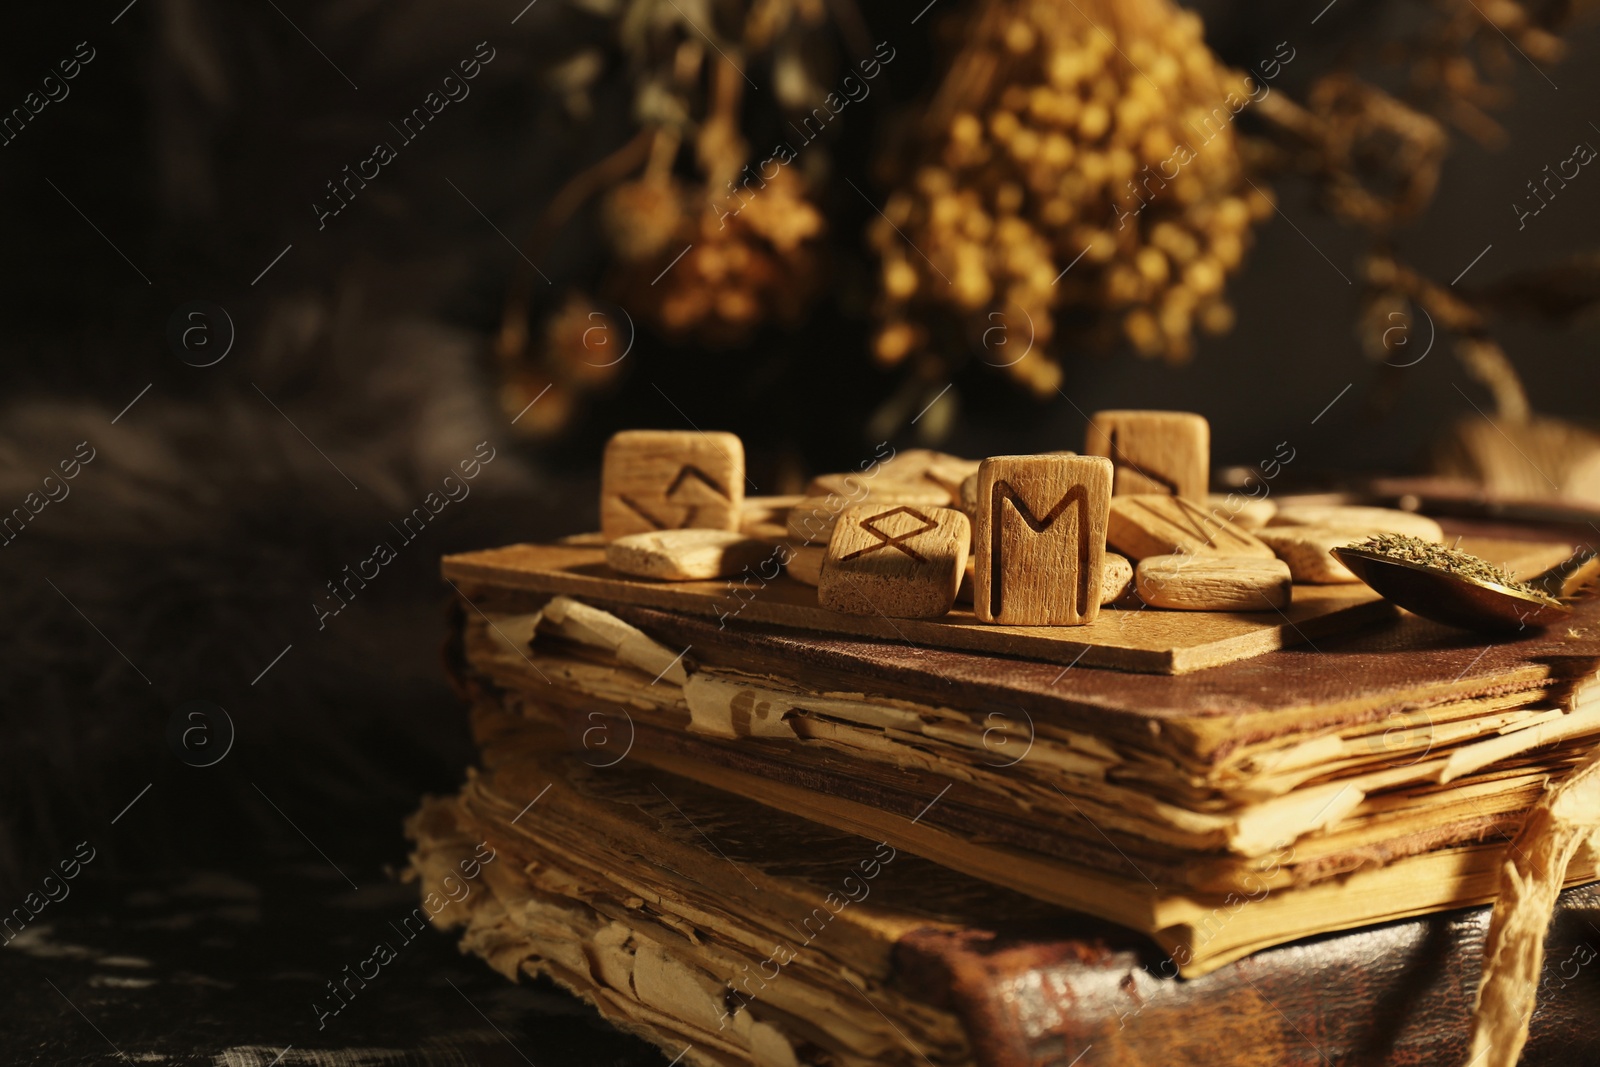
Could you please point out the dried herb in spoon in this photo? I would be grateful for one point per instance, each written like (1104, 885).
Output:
(1408, 549)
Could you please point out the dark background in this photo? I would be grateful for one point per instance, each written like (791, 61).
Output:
(221, 502)
(199, 139)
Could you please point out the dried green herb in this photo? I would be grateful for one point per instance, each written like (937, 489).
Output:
(1410, 549)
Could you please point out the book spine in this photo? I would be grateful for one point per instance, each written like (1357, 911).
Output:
(1399, 994)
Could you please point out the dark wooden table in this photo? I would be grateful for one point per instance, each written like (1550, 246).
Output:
(223, 967)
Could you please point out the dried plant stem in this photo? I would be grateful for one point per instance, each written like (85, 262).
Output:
(1480, 355)
(512, 341)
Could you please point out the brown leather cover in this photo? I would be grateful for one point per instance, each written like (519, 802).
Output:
(1396, 995)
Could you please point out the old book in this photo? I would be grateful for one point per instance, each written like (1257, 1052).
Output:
(1356, 782)
(731, 934)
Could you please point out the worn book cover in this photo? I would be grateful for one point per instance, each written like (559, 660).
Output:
(1326, 786)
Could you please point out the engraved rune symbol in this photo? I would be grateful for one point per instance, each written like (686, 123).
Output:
(895, 541)
(1197, 524)
(689, 495)
(1120, 461)
(1005, 493)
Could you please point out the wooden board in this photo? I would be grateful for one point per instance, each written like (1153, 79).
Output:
(1149, 640)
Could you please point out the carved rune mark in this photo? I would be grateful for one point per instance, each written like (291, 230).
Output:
(1120, 461)
(1197, 524)
(895, 541)
(682, 492)
(1004, 492)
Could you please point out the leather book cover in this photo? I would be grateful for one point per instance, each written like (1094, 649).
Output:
(1396, 995)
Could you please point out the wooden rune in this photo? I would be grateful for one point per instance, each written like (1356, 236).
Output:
(1041, 539)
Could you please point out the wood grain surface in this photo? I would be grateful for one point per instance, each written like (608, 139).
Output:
(1147, 640)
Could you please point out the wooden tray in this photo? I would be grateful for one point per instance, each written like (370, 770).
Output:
(1147, 640)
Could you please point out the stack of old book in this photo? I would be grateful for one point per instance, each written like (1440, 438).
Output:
(753, 842)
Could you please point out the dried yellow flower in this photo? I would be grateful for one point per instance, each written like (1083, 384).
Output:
(1086, 160)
